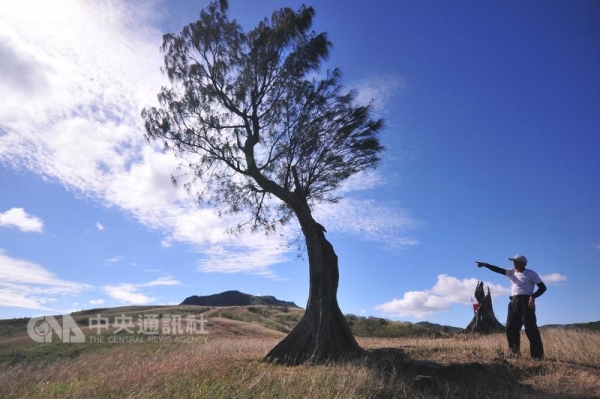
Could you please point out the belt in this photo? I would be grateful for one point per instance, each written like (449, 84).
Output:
(512, 298)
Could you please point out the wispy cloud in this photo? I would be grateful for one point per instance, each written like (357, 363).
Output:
(370, 220)
(554, 278)
(131, 293)
(256, 257)
(381, 89)
(100, 226)
(114, 259)
(17, 217)
(446, 292)
(97, 301)
(598, 246)
(161, 281)
(71, 111)
(28, 285)
(128, 293)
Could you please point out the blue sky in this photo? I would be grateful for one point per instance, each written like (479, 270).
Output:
(492, 112)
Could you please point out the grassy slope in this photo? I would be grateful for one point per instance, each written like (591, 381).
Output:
(226, 362)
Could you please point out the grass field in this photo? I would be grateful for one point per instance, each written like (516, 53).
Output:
(226, 362)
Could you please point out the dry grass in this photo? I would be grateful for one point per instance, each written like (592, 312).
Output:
(227, 364)
(219, 368)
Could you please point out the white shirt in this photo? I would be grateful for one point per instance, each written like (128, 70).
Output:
(522, 283)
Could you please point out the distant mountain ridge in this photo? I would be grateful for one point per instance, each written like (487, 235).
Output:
(236, 298)
(593, 326)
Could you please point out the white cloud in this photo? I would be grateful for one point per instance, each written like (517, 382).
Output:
(446, 292)
(100, 68)
(97, 301)
(554, 278)
(28, 285)
(17, 217)
(79, 75)
(100, 226)
(22, 74)
(598, 245)
(130, 293)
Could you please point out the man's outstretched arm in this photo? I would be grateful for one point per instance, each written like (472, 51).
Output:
(493, 268)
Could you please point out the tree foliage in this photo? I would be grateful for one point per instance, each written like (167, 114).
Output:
(253, 116)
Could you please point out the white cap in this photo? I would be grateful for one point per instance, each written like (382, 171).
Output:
(519, 258)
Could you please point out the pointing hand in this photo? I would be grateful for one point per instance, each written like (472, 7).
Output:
(482, 264)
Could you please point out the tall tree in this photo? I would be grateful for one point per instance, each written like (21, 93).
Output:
(267, 133)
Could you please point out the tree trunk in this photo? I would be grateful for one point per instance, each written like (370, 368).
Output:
(484, 321)
(323, 333)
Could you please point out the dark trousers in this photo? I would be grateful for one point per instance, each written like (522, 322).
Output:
(519, 314)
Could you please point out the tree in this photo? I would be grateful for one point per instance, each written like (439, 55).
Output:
(267, 135)
(484, 321)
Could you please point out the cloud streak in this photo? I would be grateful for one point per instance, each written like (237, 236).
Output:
(130, 293)
(26, 284)
(256, 257)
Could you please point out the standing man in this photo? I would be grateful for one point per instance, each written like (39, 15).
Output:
(521, 309)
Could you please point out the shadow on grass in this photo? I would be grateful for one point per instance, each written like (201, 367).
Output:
(500, 379)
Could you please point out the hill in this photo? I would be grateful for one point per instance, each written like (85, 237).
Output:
(236, 298)
(591, 326)
(383, 328)
(243, 321)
